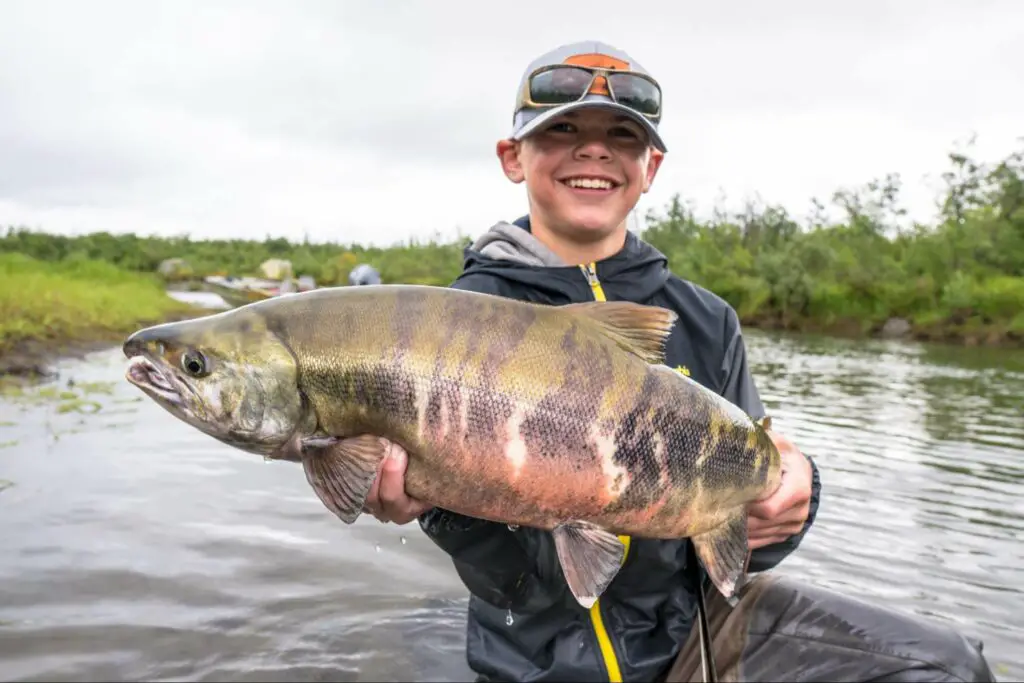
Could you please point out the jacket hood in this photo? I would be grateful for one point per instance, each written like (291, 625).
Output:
(510, 251)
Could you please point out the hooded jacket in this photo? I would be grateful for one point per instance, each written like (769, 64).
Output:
(523, 623)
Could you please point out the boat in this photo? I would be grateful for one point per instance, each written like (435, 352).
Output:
(239, 291)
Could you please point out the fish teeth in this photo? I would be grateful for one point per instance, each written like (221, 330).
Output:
(589, 183)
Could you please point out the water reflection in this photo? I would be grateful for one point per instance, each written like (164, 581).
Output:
(137, 548)
(921, 453)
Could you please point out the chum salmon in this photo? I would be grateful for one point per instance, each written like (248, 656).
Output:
(562, 418)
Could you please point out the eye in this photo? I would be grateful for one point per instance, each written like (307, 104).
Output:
(194, 363)
(561, 127)
(625, 132)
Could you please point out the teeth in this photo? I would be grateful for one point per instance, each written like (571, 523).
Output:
(589, 183)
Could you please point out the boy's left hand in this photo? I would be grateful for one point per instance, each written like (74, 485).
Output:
(782, 514)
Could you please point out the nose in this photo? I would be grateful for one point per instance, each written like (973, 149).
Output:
(139, 341)
(593, 148)
(132, 346)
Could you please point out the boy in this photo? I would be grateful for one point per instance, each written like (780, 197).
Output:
(585, 142)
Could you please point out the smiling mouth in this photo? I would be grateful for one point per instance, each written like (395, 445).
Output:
(584, 183)
(144, 374)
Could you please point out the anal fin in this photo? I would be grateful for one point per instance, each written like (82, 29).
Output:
(341, 472)
(590, 559)
(725, 552)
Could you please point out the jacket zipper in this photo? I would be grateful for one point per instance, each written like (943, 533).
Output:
(604, 641)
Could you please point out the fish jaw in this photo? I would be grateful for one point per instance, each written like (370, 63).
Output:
(161, 387)
(176, 397)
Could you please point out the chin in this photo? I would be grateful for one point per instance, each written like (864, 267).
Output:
(592, 228)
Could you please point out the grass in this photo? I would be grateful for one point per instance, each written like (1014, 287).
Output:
(76, 300)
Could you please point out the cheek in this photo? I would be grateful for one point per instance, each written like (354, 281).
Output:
(217, 401)
(635, 166)
(539, 170)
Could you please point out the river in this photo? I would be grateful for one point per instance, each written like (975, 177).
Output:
(136, 548)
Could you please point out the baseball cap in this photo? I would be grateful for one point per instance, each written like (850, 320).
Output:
(527, 119)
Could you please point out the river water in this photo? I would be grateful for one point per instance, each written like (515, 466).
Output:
(136, 548)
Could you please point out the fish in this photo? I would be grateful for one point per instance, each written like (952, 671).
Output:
(561, 418)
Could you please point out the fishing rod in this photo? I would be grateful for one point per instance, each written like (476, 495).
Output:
(707, 655)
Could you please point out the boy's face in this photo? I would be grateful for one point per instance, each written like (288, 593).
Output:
(584, 171)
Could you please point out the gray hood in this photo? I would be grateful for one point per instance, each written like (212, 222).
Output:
(507, 242)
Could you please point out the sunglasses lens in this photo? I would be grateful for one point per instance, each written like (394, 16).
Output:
(559, 86)
(639, 94)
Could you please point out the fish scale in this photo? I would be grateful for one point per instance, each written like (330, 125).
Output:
(559, 418)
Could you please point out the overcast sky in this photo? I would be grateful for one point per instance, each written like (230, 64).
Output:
(376, 121)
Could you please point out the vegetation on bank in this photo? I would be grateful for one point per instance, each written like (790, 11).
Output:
(76, 300)
(959, 278)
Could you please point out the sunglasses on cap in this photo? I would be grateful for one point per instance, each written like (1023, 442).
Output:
(558, 84)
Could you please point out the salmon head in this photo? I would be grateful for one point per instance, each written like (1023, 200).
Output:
(228, 375)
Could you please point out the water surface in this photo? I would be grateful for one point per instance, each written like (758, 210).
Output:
(136, 548)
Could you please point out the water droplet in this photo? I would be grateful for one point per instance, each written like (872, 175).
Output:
(377, 547)
(508, 619)
(403, 540)
(513, 527)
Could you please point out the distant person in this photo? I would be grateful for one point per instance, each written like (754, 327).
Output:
(585, 142)
(363, 274)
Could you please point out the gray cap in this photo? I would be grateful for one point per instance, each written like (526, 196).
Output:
(588, 53)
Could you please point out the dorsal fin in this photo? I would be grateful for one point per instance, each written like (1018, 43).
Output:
(639, 329)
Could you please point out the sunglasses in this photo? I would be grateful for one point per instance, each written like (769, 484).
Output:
(559, 84)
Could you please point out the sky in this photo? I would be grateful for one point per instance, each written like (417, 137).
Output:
(376, 122)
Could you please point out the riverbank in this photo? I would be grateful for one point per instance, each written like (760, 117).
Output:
(954, 331)
(55, 309)
(67, 308)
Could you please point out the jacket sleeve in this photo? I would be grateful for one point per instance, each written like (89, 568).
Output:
(739, 388)
(489, 557)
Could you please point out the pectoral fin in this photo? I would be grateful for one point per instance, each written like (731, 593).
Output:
(724, 552)
(590, 558)
(341, 472)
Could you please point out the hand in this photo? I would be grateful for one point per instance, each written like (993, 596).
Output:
(783, 513)
(387, 500)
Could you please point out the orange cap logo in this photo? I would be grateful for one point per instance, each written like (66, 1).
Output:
(598, 61)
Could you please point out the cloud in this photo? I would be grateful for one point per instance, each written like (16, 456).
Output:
(376, 121)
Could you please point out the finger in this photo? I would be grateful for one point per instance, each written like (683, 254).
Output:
(776, 532)
(794, 515)
(793, 498)
(754, 544)
(767, 510)
(392, 479)
(756, 524)
(785, 530)
(410, 511)
(372, 502)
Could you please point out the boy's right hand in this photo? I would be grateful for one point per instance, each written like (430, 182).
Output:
(387, 500)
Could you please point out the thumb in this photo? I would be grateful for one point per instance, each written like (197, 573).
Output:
(395, 460)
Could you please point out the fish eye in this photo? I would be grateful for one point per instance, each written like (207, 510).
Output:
(194, 363)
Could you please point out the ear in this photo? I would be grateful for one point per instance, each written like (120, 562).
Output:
(508, 154)
(653, 164)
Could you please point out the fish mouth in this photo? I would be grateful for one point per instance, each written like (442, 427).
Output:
(146, 375)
